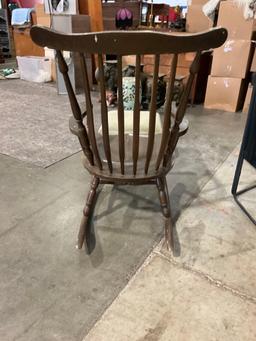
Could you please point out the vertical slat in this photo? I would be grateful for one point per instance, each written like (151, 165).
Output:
(83, 137)
(167, 111)
(104, 114)
(174, 136)
(120, 113)
(136, 116)
(152, 114)
(89, 111)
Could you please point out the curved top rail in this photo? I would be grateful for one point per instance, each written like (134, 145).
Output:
(129, 42)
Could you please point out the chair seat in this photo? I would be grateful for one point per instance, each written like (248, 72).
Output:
(128, 143)
(128, 177)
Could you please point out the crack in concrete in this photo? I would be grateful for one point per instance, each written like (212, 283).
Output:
(213, 281)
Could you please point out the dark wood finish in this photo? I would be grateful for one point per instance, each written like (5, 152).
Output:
(89, 111)
(136, 116)
(120, 113)
(76, 124)
(104, 114)
(87, 212)
(198, 91)
(75, 24)
(174, 135)
(129, 42)
(165, 206)
(167, 110)
(141, 159)
(152, 115)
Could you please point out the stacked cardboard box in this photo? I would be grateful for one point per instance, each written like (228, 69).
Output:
(24, 46)
(228, 81)
(196, 20)
(42, 18)
(184, 62)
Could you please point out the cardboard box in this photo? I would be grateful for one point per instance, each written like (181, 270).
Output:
(197, 2)
(186, 59)
(184, 62)
(196, 20)
(165, 59)
(225, 93)
(163, 70)
(42, 18)
(232, 59)
(182, 71)
(24, 46)
(44, 21)
(247, 99)
(231, 17)
(39, 8)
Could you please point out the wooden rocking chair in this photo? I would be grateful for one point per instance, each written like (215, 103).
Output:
(128, 147)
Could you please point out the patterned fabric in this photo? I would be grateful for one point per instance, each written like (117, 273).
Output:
(128, 92)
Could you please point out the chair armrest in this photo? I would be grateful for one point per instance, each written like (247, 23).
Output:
(183, 128)
(84, 114)
(76, 127)
(184, 125)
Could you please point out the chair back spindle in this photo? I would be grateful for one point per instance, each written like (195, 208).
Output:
(167, 111)
(152, 113)
(144, 151)
(174, 135)
(104, 114)
(136, 115)
(89, 111)
(82, 133)
(120, 115)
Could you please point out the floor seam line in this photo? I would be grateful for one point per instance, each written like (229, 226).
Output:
(215, 282)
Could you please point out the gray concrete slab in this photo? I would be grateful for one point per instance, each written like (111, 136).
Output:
(24, 190)
(212, 136)
(48, 289)
(164, 302)
(215, 236)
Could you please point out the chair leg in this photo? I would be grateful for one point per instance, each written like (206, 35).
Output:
(166, 210)
(88, 209)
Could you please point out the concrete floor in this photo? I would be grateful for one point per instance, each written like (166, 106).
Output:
(49, 290)
(209, 292)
